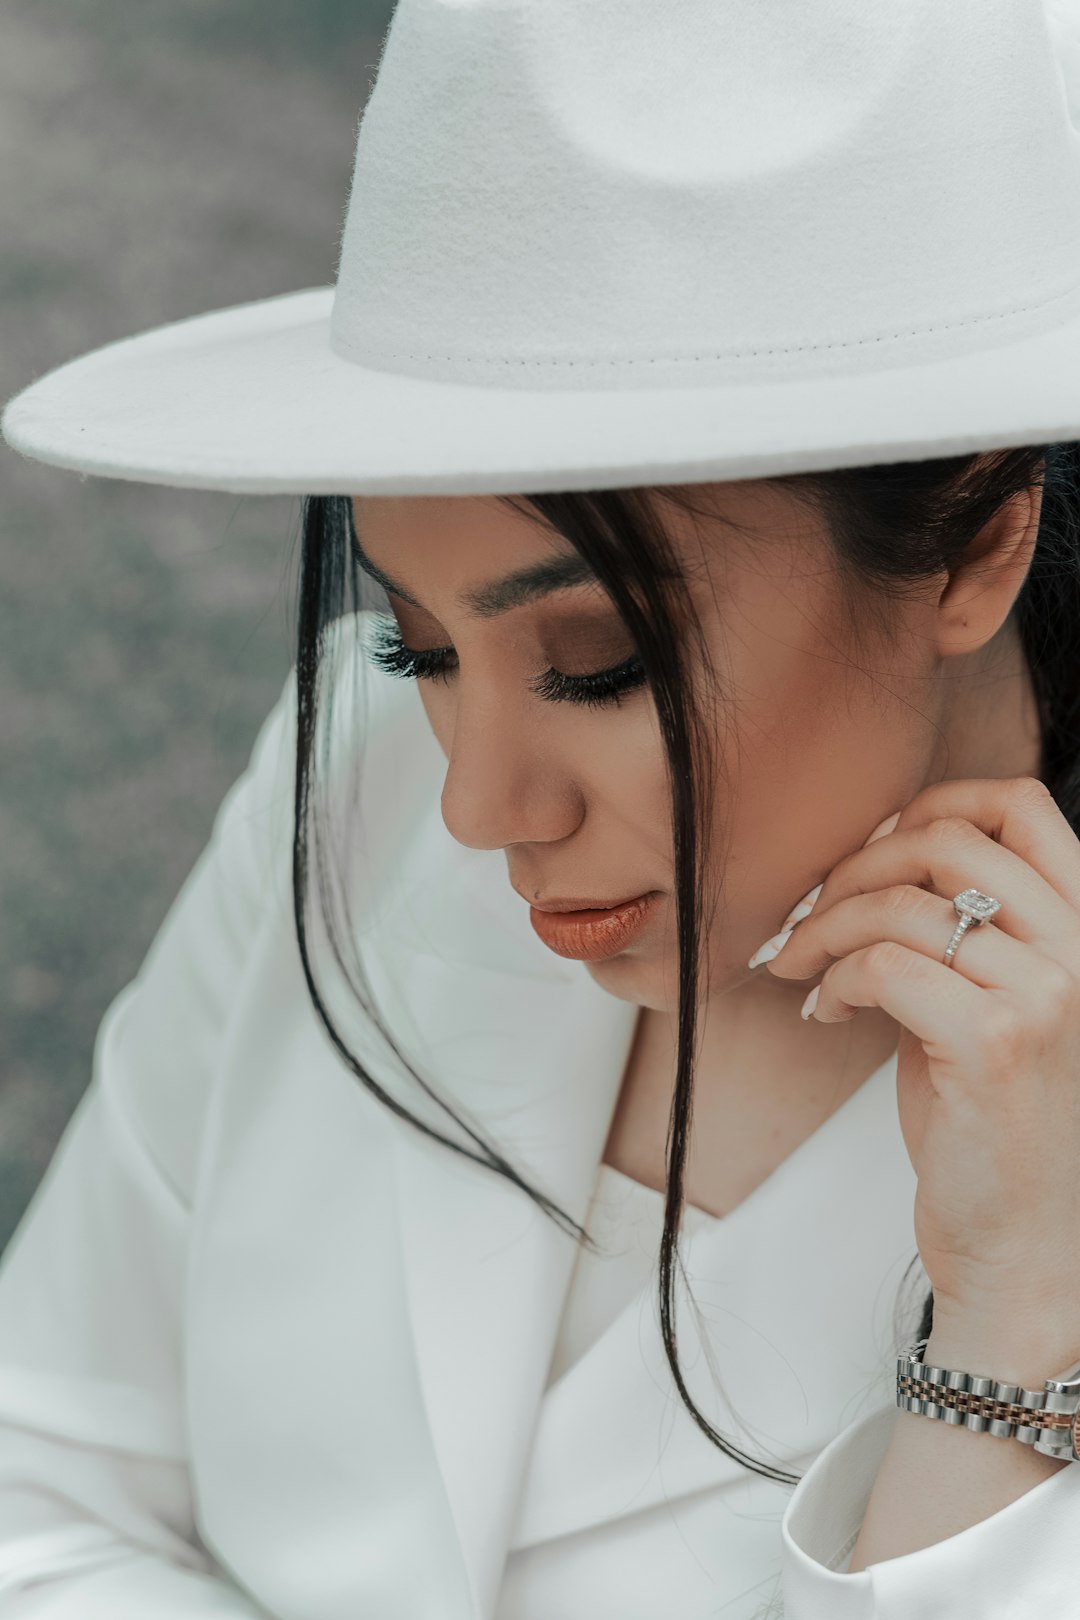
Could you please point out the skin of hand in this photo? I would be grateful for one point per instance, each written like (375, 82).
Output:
(988, 1070)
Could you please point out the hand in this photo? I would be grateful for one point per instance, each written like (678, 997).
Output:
(988, 1065)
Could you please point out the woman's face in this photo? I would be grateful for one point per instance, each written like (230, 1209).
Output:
(820, 736)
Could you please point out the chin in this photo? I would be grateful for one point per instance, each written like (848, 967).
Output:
(631, 978)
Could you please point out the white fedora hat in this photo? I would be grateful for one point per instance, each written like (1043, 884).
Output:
(592, 243)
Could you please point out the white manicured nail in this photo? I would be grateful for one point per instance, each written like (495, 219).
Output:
(810, 1003)
(804, 907)
(772, 947)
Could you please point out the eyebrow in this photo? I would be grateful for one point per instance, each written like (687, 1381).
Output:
(500, 595)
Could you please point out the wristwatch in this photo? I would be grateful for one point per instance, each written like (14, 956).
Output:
(1047, 1419)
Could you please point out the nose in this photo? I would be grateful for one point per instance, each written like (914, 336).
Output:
(502, 786)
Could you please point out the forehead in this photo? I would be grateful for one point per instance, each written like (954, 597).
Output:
(411, 518)
(754, 522)
(504, 570)
(754, 503)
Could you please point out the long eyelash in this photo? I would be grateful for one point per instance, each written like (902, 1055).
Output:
(606, 686)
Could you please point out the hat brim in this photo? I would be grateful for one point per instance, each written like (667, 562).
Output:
(252, 399)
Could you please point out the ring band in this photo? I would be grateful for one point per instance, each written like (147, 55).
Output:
(972, 907)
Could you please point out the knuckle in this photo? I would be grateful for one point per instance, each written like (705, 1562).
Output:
(1058, 988)
(925, 903)
(885, 959)
(1003, 1032)
(949, 832)
(1028, 792)
(896, 900)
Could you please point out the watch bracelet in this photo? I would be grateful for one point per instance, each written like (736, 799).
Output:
(1046, 1419)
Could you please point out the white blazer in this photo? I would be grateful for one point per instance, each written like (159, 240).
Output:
(268, 1349)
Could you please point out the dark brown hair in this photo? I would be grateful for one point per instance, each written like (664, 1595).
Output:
(890, 526)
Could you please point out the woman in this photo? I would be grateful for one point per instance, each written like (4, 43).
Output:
(490, 1240)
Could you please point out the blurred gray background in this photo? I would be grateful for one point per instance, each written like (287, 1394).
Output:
(158, 160)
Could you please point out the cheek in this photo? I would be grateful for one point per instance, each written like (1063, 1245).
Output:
(803, 783)
(815, 739)
(622, 766)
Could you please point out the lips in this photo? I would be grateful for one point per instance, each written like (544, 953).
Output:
(592, 934)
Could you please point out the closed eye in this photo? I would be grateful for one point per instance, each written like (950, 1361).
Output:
(596, 690)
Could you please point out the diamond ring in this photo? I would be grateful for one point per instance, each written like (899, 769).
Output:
(972, 907)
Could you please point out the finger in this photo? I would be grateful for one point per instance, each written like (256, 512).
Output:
(1017, 812)
(948, 856)
(917, 919)
(939, 1006)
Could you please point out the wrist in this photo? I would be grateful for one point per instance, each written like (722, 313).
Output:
(1017, 1349)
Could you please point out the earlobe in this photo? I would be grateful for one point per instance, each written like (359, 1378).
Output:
(982, 589)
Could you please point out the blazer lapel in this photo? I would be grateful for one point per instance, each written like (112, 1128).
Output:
(530, 1050)
(797, 1289)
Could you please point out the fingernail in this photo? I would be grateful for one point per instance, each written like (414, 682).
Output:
(810, 1003)
(772, 947)
(804, 907)
(883, 827)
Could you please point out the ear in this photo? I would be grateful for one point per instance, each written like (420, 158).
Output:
(980, 592)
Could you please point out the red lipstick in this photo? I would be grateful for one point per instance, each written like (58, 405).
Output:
(591, 935)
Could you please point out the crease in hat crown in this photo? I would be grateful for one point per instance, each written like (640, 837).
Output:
(747, 193)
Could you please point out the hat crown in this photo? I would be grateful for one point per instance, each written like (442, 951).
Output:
(633, 193)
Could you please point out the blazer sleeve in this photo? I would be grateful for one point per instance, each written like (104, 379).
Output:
(1019, 1561)
(96, 1506)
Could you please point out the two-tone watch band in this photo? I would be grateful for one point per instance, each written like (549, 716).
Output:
(1047, 1419)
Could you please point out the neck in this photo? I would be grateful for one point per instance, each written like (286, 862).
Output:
(992, 727)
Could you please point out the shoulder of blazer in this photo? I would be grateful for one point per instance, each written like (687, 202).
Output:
(157, 1050)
